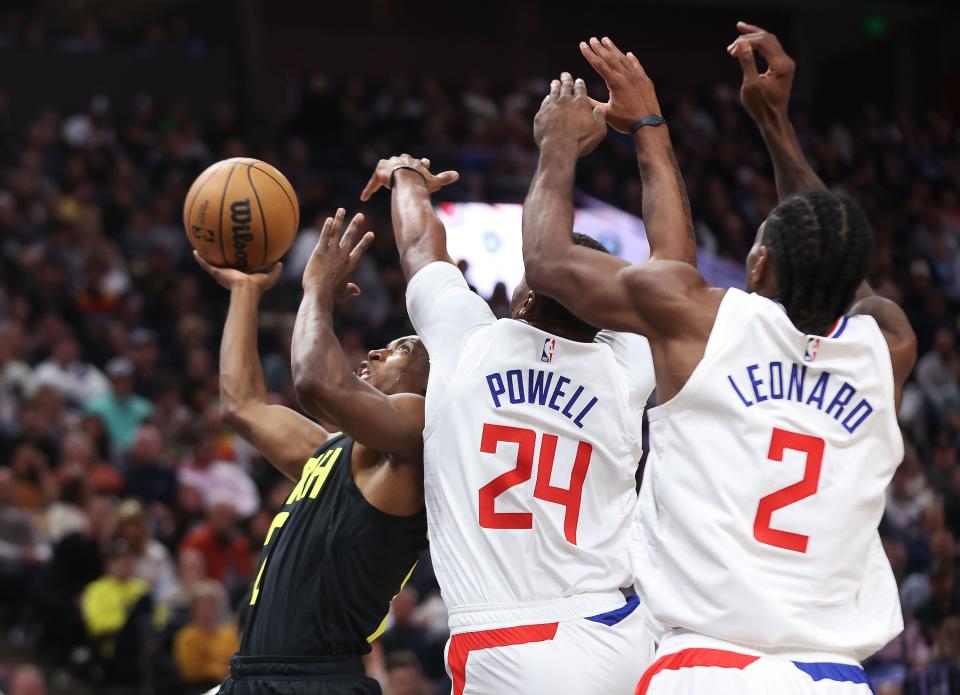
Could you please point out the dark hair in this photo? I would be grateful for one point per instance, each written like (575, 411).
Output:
(554, 312)
(403, 658)
(821, 244)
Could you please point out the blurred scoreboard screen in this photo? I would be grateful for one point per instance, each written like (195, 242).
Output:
(487, 237)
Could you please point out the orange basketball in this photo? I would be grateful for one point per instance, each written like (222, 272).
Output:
(241, 213)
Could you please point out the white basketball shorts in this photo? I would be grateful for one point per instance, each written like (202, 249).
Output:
(604, 654)
(719, 671)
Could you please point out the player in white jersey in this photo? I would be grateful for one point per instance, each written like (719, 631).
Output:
(531, 443)
(776, 434)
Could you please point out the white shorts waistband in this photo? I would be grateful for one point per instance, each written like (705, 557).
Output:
(494, 615)
(677, 640)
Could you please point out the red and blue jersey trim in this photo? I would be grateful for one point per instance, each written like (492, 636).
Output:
(720, 658)
(838, 328)
(613, 617)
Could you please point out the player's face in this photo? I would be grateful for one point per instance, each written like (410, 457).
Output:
(401, 367)
(757, 264)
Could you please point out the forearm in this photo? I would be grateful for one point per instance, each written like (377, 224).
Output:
(667, 217)
(791, 169)
(548, 214)
(320, 369)
(421, 237)
(241, 377)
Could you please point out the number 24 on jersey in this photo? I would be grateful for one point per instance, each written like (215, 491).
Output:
(526, 442)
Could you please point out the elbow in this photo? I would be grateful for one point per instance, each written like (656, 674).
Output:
(538, 272)
(314, 392)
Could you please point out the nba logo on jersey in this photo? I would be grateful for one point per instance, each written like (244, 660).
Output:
(549, 345)
(813, 346)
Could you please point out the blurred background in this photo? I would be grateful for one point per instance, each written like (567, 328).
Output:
(119, 572)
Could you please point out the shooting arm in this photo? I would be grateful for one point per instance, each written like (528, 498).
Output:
(328, 389)
(791, 169)
(286, 438)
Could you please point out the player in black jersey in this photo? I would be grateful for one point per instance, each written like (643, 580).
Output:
(348, 535)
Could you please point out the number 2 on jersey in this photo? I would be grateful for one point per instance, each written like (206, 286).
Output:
(780, 441)
(526, 441)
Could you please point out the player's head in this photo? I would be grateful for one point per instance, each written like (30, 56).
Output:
(811, 254)
(401, 367)
(548, 313)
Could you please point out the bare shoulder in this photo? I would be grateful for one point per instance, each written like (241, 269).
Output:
(897, 331)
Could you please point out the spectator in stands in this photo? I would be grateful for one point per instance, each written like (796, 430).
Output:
(77, 381)
(67, 515)
(16, 376)
(202, 648)
(153, 562)
(117, 611)
(404, 675)
(81, 457)
(121, 410)
(213, 477)
(225, 549)
(148, 474)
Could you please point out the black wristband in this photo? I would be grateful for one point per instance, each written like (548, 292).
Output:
(651, 120)
(393, 173)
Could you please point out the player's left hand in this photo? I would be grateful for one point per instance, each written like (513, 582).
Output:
(567, 112)
(765, 96)
(336, 255)
(381, 177)
(632, 95)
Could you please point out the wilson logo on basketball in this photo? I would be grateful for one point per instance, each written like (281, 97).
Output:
(241, 217)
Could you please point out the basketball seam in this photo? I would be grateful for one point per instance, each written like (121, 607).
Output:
(223, 198)
(263, 218)
(193, 202)
(296, 208)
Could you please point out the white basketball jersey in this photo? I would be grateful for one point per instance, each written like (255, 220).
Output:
(765, 485)
(531, 445)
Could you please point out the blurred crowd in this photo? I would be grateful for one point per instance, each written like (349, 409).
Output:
(130, 517)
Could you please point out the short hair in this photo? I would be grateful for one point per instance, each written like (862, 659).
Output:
(554, 311)
(403, 658)
(821, 244)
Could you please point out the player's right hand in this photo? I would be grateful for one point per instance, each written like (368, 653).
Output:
(632, 95)
(567, 113)
(382, 175)
(765, 96)
(336, 256)
(231, 278)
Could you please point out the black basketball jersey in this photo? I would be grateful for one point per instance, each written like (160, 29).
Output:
(330, 566)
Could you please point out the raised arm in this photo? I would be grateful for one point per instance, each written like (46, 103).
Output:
(766, 98)
(326, 385)
(600, 288)
(421, 237)
(285, 437)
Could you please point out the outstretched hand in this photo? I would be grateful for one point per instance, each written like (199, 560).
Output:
(336, 255)
(567, 112)
(632, 95)
(381, 177)
(766, 95)
(231, 278)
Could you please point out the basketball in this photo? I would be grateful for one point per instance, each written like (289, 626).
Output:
(241, 213)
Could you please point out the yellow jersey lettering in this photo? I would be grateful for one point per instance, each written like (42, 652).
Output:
(307, 470)
(321, 472)
(278, 521)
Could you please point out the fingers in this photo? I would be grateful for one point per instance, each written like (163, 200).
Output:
(580, 88)
(274, 275)
(331, 227)
(445, 178)
(748, 63)
(204, 264)
(554, 89)
(592, 58)
(373, 185)
(353, 290)
(353, 231)
(745, 28)
(361, 248)
(566, 84)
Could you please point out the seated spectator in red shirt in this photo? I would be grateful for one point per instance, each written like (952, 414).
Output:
(226, 550)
